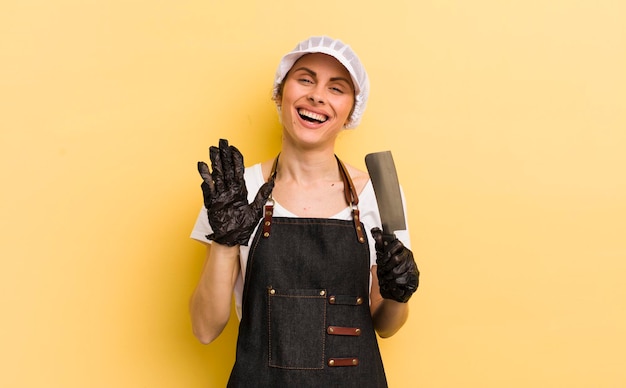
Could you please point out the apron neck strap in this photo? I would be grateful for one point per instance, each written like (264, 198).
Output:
(348, 187)
(350, 194)
(352, 198)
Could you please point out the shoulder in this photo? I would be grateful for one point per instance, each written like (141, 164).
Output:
(266, 168)
(359, 177)
(254, 177)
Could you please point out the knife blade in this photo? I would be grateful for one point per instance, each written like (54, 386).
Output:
(384, 177)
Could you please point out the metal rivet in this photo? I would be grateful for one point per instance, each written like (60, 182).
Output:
(331, 330)
(361, 239)
(267, 223)
(355, 361)
(357, 331)
(331, 362)
(322, 293)
(358, 227)
(272, 291)
(332, 299)
(266, 234)
(359, 300)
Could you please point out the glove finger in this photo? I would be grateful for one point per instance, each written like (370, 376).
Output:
(377, 234)
(401, 260)
(238, 165)
(208, 184)
(238, 185)
(227, 163)
(403, 256)
(406, 281)
(203, 169)
(394, 247)
(262, 195)
(393, 262)
(413, 281)
(218, 172)
(407, 275)
(386, 265)
(402, 268)
(381, 258)
(382, 261)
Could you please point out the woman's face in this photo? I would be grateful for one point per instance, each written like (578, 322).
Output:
(317, 100)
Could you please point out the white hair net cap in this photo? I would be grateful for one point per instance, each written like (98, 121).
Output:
(341, 52)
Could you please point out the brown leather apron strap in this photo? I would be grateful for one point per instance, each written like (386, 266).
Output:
(340, 330)
(268, 210)
(353, 200)
(348, 361)
(273, 172)
(349, 191)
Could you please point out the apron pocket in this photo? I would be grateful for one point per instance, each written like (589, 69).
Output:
(296, 328)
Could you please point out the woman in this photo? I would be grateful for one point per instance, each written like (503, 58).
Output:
(312, 289)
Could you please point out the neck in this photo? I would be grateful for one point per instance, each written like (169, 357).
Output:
(308, 166)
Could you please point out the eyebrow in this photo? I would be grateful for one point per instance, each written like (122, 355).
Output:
(314, 74)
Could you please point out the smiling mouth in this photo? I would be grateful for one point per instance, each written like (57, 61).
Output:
(312, 116)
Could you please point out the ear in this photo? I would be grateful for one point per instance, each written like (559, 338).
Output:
(279, 111)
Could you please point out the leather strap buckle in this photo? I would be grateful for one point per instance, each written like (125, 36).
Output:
(268, 211)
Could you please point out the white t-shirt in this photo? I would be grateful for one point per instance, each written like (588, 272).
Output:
(253, 176)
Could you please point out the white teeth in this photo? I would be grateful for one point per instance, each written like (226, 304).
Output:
(312, 115)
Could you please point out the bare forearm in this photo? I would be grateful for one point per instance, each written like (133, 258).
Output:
(211, 301)
(389, 317)
(387, 314)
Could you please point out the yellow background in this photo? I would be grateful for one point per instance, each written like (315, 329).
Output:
(507, 120)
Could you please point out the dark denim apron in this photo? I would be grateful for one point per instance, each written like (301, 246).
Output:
(306, 319)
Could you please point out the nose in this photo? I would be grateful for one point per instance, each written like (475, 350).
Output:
(316, 95)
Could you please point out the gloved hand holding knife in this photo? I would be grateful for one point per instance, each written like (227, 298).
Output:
(398, 275)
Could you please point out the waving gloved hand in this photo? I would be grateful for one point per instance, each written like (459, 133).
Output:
(226, 198)
(398, 276)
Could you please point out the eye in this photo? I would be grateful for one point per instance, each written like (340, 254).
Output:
(337, 90)
(305, 80)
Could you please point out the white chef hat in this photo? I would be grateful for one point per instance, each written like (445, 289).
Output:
(341, 52)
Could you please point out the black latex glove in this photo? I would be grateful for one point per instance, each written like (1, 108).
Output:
(226, 198)
(398, 276)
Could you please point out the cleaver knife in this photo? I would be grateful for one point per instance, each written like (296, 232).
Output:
(384, 178)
